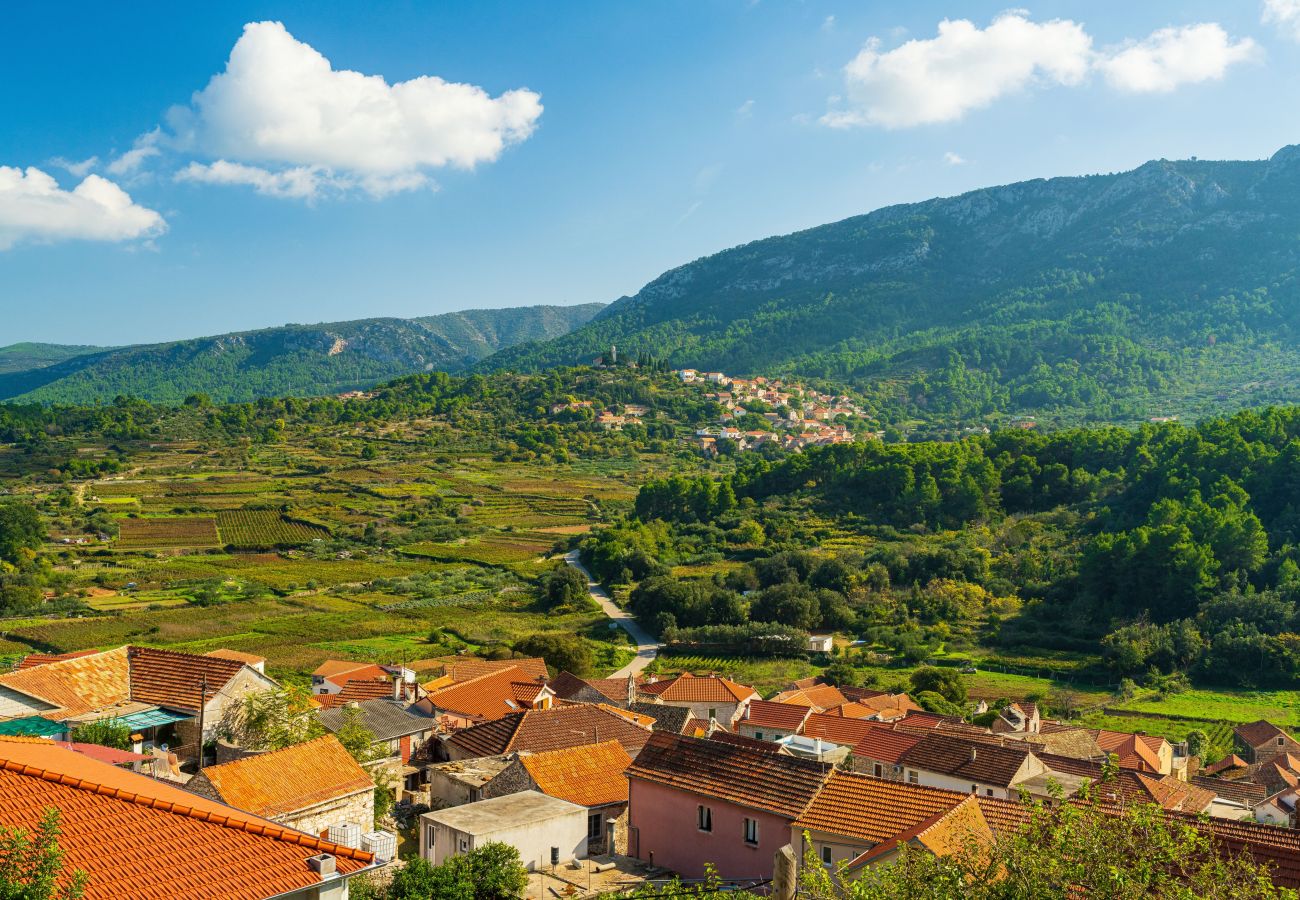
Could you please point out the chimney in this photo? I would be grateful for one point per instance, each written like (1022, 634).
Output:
(973, 751)
(323, 865)
(398, 693)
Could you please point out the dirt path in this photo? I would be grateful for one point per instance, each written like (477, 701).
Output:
(646, 646)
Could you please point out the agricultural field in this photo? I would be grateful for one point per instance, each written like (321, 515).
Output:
(256, 528)
(176, 532)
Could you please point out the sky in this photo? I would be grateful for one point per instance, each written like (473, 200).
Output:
(171, 171)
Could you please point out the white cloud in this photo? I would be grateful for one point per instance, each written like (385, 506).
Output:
(745, 110)
(145, 146)
(281, 107)
(33, 207)
(1172, 57)
(964, 68)
(828, 24)
(954, 159)
(80, 168)
(1284, 15)
(299, 182)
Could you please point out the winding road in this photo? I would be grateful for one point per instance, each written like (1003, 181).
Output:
(646, 646)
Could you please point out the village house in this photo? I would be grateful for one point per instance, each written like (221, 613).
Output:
(708, 697)
(835, 829)
(453, 670)
(398, 731)
(615, 691)
(556, 728)
(455, 783)
(160, 694)
(1259, 741)
(1018, 717)
(766, 720)
(529, 821)
(363, 681)
(591, 776)
(696, 802)
(951, 763)
(880, 753)
(140, 837)
(489, 696)
(309, 786)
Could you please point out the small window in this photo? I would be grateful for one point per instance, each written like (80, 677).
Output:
(988, 792)
(705, 815)
(826, 855)
(758, 735)
(594, 826)
(974, 788)
(713, 713)
(464, 845)
(751, 831)
(878, 770)
(913, 777)
(1281, 741)
(431, 835)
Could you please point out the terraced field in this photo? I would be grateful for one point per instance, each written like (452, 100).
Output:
(179, 532)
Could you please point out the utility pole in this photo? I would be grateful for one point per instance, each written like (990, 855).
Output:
(203, 701)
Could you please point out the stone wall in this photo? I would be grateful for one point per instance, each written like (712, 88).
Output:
(358, 808)
(510, 780)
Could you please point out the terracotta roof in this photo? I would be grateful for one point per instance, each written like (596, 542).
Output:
(288, 780)
(862, 808)
(837, 729)
(590, 775)
(357, 689)
(688, 688)
(730, 737)
(488, 696)
(40, 659)
(884, 745)
(782, 785)
(943, 833)
(550, 729)
(143, 839)
(1257, 734)
(1003, 815)
(769, 714)
(1231, 761)
(110, 755)
(568, 686)
(172, 679)
(386, 719)
(1245, 792)
(613, 688)
(237, 655)
(967, 760)
(332, 668)
(77, 685)
(469, 667)
(819, 696)
(1132, 750)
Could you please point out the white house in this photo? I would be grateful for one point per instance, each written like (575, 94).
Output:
(530, 821)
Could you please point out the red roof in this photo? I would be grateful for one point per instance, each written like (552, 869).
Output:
(884, 745)
(768, 714)
(357, 689)
(142, 839)
(837, 729)
(40, 659)
(688, 688)
(173, 679)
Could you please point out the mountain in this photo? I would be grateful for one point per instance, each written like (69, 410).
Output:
(293, 360)
(1164, 290)
(21, 357)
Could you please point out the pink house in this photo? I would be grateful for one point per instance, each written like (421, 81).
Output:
(695, 801)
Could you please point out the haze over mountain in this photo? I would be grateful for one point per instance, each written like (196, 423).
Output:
(292, 360)
(1169, 288)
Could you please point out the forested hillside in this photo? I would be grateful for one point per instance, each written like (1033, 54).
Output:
(293, 360)
(25, 356)
(1166, 290)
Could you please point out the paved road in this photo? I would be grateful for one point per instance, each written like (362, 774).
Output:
(646, 646)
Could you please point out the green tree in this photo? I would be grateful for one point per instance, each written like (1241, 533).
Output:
(21, 529)
(31, 863)
(562, 652)
(105, 732)
(355, 737)
(273, 720)
(1198, 742)
(947, 683)
(565, 586)
(490, 872)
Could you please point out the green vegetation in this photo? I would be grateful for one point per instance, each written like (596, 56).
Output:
(31, 864)
(491, 872)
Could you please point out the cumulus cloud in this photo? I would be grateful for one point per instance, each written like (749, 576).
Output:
(282, 109)
(80, 168)
(1172, 57)
(34, 208)
(1284, 15)
(954, 159)
(964, 67)
(145, 147)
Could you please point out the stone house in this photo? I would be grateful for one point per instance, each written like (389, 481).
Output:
(309, 786)
(968, 766)
(1259, 741)
(708, 697)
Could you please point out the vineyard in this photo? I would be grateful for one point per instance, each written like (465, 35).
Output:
(182, 532)
(257, 528)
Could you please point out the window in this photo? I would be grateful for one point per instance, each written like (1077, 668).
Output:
(594, 827)
(713, 713)
(431, 835)
(758, 735)
(974, 788)
(913, 777)
(464, 845)
(1281, 741)
(826, 855)
(705, 822)
(988, 792)
(751, 831)
(878, 770)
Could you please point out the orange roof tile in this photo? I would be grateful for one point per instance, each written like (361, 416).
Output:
(147, 840)
(819, 696)
(488, 696)
(357, 689)
(769, 714)
(251, 659)
(885, 745)
(862, 808)
(78, 685)
(552, 729)
(943, 833)
(466, 668)
(837, 729)
(40, 659)
(688, 688)
(173, 679)
(288, 780)
(591, 775)
(332, 668)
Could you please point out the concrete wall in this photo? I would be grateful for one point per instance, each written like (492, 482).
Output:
(842, 849)
(663, 822)
(533, 840)
(867, 766)
(768, 732)
(14, 705)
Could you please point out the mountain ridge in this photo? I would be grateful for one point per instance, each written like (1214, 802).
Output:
(287, 360)
(1106, 295)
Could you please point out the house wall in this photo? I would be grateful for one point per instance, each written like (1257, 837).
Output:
(357, 808)
(515, 778)
(842, 848)
(1267, 751)
(445, 791)
(244, 682)
(867, 766)
(663, 823)
(726, 713)
(533, 840)
(14, 705)
(510, 780)
(768, 733)
(1028, 769)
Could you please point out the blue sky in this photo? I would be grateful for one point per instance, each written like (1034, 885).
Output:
(632, 137)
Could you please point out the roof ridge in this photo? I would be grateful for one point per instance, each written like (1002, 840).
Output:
(301, 744)
(269, 829)
(495, 673)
